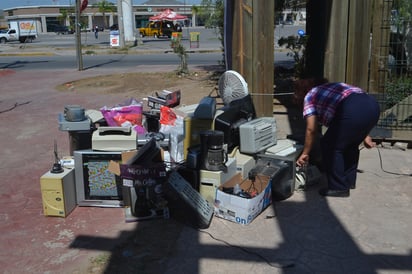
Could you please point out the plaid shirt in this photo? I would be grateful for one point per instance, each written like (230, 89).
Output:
(323, 100)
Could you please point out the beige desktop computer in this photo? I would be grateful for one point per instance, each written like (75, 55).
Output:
(58, 193)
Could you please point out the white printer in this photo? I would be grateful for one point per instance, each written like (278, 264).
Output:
(114, 139)
(257, 135)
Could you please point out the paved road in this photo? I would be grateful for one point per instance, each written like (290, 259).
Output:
(52, 51)
(107, 61)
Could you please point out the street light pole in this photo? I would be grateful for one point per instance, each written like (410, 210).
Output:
(187, 27)
(78, 36)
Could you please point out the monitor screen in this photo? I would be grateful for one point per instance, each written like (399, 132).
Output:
(101, 182)
(95, 184)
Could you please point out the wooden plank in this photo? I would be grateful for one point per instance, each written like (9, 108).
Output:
(379, 46)
(335, 53)
(253, 50)
(359, 26)
(248, 22)
(262, 65)
(237, 42)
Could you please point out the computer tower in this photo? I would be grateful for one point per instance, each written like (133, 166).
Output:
(58, 193)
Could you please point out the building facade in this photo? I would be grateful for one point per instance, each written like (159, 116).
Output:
(48, 16)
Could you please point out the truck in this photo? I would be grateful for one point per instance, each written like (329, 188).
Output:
(158, 29)
(19, 30)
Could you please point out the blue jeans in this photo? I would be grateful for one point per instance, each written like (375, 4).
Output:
(355, 117)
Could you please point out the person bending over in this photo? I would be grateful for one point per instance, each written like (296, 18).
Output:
(349, 114)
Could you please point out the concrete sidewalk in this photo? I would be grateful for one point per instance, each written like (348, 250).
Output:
(370, 232)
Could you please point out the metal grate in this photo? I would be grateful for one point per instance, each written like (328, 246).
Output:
(394, 76)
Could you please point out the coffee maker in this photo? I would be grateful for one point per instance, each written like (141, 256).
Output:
(212, 154)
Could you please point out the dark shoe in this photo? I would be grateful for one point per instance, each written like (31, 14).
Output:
(334, 193)
(353, 186)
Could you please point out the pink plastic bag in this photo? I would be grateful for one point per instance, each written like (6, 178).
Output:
(127, 114)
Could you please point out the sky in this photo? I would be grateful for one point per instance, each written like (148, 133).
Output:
(5, 4)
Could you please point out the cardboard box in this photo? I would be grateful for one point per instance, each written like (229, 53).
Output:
(211, 180)
(243, 210)
(114, 167)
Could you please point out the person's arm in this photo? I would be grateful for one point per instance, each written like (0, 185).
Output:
(368, 143)
(310, 135)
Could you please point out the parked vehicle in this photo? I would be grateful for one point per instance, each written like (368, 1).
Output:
(62, 30)
(159, 29)
(20, 30)
(114, 27)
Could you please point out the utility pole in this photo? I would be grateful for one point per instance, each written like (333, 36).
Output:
(120, 22)
(78, 36)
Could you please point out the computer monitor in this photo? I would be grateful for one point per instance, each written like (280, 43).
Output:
(95, 184)
(234, 114)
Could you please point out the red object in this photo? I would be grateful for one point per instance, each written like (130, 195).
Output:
(83, 5)
(128, 119)
(167, 14)
(167, 116)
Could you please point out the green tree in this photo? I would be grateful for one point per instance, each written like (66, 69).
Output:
(105, 6)
(64, 16)
(404, 8)
(212, 13)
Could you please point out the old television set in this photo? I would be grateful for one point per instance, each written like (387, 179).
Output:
(95, 184)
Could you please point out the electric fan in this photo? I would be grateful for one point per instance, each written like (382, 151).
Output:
(232, 86)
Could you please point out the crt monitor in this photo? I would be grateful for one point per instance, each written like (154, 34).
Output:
(95, 184)
(236, 113)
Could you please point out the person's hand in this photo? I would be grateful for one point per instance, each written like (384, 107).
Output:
(303, 160)
(368, 143)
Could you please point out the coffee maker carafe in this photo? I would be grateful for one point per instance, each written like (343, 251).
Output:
(213, 155)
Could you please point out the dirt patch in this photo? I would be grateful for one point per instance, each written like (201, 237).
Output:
(193, 86)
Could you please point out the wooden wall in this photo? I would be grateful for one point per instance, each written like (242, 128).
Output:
(348, 42)
(253, 50)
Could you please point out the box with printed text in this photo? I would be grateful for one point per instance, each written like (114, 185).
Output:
(243, 208)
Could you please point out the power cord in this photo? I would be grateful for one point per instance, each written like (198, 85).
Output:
(276, 265)
(381, 166)
(389, 172)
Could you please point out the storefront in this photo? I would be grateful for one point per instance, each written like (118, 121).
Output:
(64, 15)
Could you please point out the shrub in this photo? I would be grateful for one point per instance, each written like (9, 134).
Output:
(396, 90)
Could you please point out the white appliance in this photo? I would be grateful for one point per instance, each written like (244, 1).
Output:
(257, 135)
